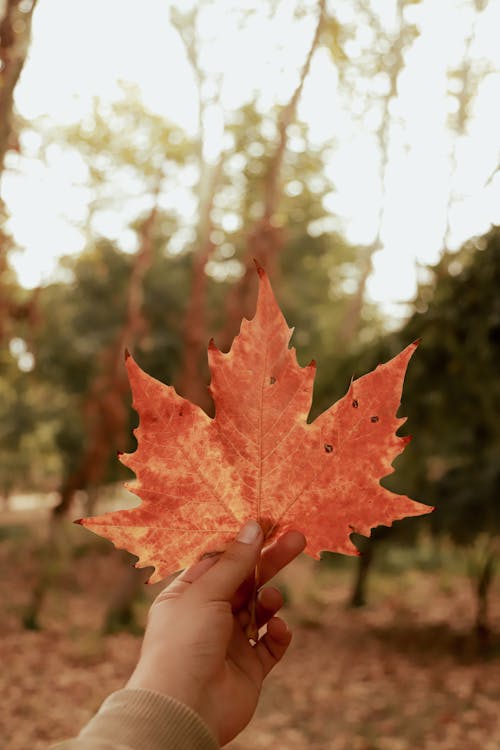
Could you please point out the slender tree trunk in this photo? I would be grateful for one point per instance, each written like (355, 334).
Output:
(492, 175)
(15, 36)
(365, 560)
(5, 499)
(190, 382)
(120, 614)
(267, 238)
(350, 323)
(484, 580)
(105, 410)
(465, 95)
(31, 615)
(53, 561)
(91, 500)
(105, 421)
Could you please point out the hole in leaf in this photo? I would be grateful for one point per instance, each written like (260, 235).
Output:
(355, 403)
(328, 448)
(373, 419)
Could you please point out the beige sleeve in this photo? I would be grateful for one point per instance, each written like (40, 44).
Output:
(142, 720)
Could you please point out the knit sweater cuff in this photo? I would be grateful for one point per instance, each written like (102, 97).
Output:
(145, 719)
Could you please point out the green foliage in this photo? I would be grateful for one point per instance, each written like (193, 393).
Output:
(124, 138)
(125, 149)
(454, 391)
(27, 431)
(83, 319)
(82, 316)
(318, 268)
(452, 395)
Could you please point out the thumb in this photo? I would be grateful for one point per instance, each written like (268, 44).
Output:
(234, 566)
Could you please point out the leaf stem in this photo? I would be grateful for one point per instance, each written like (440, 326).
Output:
(252, 630)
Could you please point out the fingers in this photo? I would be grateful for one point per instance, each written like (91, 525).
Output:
(186, 578)
(271, 648)
(280, 553)
(257, 662)
(269, 601)
(274, 558)
(236, 564)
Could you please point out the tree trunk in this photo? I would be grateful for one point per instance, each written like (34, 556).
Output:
(484, 579)
(351, 321)
(365, 560)
(267, 238)
(15, 36)
(31, 615)
(120, 614)
(91, 499)
(5, 499)
(468, 88)
(105, 413)
(106, 420)
(190, 382)
(54, 557)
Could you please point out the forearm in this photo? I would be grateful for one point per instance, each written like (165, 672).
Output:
(132, 719)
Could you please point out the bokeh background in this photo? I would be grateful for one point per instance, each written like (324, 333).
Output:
(148, 152)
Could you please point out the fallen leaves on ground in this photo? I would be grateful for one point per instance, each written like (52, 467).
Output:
(398, 675)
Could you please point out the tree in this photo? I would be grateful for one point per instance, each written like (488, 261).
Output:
(452, 401)
(86, 326)
(15, 36)
(105, 413)
(383, 55)
(79, 367)
(264, 236)
(463, 84)
(455, 391)
(27, 455)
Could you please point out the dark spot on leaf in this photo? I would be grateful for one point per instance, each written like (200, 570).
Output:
(355, 403)
(328, 448)
(373, 419)
(272, 380)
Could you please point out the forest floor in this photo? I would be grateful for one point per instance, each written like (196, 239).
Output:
(402, 672)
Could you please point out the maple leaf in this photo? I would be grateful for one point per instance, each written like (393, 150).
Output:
(200, 478)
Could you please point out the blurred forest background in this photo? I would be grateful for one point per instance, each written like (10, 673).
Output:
(418, 614)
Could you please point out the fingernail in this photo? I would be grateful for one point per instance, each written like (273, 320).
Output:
(249, 533)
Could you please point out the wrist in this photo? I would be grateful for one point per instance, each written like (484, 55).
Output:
(175, 684)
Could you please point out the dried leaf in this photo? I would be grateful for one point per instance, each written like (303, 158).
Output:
(200, 478)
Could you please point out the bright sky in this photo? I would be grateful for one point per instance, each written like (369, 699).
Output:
(83, 48)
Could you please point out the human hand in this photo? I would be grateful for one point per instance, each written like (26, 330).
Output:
(195, 648)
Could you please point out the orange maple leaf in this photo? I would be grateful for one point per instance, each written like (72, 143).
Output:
(200, 479)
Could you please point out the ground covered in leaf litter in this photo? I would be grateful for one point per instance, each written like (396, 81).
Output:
(401, 673)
